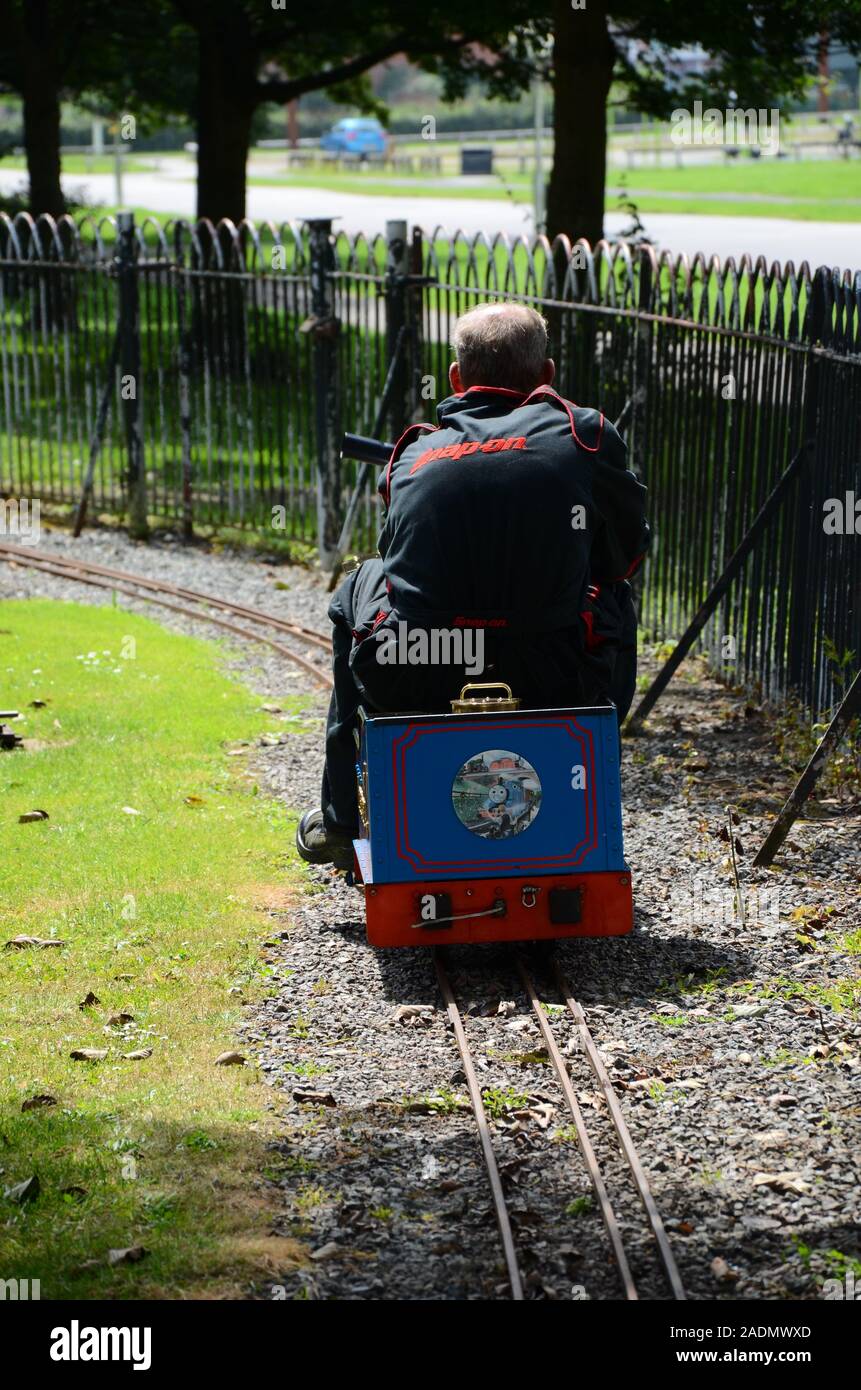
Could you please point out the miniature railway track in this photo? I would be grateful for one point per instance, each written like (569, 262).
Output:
(162, 593)
(148, 590)
(662, 1245)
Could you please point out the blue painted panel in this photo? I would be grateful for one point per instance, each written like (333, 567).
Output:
(485, 796)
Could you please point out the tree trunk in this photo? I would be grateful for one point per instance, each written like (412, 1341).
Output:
(42, 142)
(226, 106)
(583, 61)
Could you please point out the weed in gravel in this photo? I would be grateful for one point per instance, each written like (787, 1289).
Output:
(308, 1069)
(579, 1206)
(497, 1102)
(296, 1166)
(441, 1102)
(669, 1020)
(566, 1134)
(309, 1198)
(382, 1213)
(710, 983)
(841, 996)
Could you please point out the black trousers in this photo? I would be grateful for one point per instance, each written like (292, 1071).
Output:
(545, 669)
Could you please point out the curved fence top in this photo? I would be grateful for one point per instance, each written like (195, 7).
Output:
(745, 295)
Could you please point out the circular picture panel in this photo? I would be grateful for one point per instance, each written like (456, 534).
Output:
(496, 794)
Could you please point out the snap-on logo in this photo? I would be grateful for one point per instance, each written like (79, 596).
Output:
(459, 451)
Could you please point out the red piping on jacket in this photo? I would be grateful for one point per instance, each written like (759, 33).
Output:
(497, 390)
(548, 391)
(593, 639)
(426, 429)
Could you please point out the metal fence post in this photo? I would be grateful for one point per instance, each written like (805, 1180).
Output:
(642, 364)
(397, 269)
(185, 367)
(130, 374)
(324, 326)
(415, 311)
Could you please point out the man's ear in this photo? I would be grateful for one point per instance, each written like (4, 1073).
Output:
(455, 379)
(548, 372)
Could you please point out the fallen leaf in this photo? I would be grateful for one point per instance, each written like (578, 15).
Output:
(89, 1054)
(39, 1102)
(89, 1000)
(406, 1013)
(117, 1020)
(325, 1252)
(39, 704)
(542, 1113)
(782, 1182)
(506, 1008)
(272, 709)
(230, 1059)
(29, 816)
(139, 1056)
(749, 1010)
(21, 1192)
(130, 811)
(194, 801)
(130, 1256)
(723, 1272)
(307, 1097)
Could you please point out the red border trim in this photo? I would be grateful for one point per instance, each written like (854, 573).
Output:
(417, 861)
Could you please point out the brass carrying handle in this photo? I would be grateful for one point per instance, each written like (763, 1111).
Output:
(487, 685)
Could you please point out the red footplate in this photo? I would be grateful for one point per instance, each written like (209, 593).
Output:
(510, 909)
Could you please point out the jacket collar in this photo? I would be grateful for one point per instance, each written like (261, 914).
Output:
(480, 400)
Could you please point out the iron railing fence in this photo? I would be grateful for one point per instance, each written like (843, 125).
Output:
(259, 345)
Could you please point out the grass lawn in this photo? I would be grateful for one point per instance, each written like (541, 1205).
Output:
(819, 190)
(155, 870)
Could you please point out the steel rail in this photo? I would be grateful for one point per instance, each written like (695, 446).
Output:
(627, 1144)
(502, 1217)
(79, 575)
(308, 634)
(595, 1176)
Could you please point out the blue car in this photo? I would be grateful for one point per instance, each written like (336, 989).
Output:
(355, 135)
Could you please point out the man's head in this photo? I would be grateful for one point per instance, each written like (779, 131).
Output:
(501, 345)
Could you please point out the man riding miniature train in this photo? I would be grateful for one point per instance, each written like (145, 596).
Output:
(513, 521)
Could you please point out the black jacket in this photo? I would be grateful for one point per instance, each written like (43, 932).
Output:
(516, 513)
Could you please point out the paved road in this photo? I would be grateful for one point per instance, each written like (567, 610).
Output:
(820, 243)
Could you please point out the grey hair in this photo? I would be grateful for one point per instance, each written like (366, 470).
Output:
(500, 345)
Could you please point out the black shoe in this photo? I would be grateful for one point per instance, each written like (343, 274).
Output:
(317, 845)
